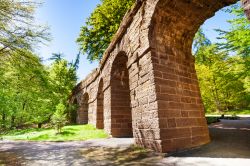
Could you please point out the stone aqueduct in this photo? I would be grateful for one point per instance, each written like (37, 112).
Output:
(146, 85)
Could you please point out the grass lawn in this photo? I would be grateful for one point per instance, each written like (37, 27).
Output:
(231, 112)
(69, 133)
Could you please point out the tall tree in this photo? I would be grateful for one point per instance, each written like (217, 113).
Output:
(237, 41)
(100, 27)
(17, 28)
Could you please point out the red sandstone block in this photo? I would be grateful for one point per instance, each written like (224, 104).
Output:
(169, 113)
(175, 133)
(200, 140)
(194, 87)
(185, 80)
(192, 107)
(186, 99)
(201, 121)
(175, 105)
(182, 143)
(115, 126)
(163, 68)
(167, 97)
(187, 93)
(184, 113)
(186, 122)
(169, 105)
(171, 123)
(163, 123)
(167, 90)
(165, 82)
(198, 101)
(196, 113)
(199, 131)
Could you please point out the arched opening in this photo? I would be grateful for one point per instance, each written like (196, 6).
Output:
(100, 108)
(73, 111)
(181, 112)
(121, 116)
(82, 117)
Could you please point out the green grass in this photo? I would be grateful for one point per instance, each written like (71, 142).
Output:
(231, 112)
(69, 133)
(211, 120)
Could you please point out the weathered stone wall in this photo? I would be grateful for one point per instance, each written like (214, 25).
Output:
(181, 112)
(146, 82)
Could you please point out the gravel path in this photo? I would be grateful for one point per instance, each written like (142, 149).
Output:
(230, 146)
(54, 153)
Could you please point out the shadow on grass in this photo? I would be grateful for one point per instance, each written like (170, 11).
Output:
(40, 137)
(26, 131)
(66, 133)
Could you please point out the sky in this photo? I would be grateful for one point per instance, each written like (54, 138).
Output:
(65, 18)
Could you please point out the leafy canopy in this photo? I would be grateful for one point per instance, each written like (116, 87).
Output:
(100, 27)
(17, 28)
(223, 67)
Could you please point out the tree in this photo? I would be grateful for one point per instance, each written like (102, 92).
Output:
(23, 87)
(18, 31)
(100, 27)
(221, 87)
(59, 117)
(237, 41)
(30, 91)
(200, 41)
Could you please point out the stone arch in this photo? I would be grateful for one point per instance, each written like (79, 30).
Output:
(177, 21)
(121, 115)
(180, 108)
(100, 107)
(168, 113)
(83, 111)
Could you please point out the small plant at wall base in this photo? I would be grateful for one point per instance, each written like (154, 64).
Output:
(59, 117)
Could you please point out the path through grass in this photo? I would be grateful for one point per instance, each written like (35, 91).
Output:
(69, 133)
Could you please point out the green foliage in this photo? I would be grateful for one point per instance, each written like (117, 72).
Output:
(70, 133)
(22, 88)
(211, 120)
(17, 28)
(223, 68)
(59, 117)
(221, 86)
(200, 41)
(30, 91)
(236, 38)
(100, 27)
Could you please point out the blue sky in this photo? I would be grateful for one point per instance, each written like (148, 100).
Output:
(65, 17)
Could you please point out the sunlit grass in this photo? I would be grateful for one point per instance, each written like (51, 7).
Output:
(69, 133)
(231, 112)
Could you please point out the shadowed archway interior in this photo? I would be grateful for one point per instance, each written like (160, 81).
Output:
(121, 116)
(83, 111)
(99, 114)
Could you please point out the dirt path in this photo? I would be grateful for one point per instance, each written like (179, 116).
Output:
(230, 146)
